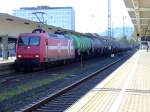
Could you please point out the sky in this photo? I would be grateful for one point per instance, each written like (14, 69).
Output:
(90, 15)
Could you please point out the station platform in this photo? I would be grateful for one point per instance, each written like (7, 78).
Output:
(126, 90)
(6, 65)
(9, 60)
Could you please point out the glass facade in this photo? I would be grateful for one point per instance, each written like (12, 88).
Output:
(57, 16)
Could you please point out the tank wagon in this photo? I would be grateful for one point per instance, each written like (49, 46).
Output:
(89, 45)
(40, 47)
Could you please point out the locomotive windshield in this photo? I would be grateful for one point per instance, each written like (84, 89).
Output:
(28, 41)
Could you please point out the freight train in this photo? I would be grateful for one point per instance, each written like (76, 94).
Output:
(39, 47)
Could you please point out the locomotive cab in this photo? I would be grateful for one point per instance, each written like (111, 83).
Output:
(41, 48)
(28, 47)
(28, 50)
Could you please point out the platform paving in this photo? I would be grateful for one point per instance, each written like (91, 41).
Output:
(126, 90)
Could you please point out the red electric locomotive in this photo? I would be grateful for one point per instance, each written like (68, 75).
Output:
(36, 48)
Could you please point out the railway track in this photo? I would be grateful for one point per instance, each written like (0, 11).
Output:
(62, 99)
(13, 75)
(4, 78)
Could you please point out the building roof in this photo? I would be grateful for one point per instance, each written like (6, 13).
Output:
(12, 26)
(43, 7)
(139, 11)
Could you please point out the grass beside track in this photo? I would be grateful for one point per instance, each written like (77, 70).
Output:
(26, 87)
(8, 93)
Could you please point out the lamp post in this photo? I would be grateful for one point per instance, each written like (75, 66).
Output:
(124, 35)
(109, 28)
(109, 19)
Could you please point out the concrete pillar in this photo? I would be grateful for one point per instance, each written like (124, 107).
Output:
(5, 47)
(140, 42)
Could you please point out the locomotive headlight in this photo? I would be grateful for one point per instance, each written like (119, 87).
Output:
(19, 56)
(37, 55)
